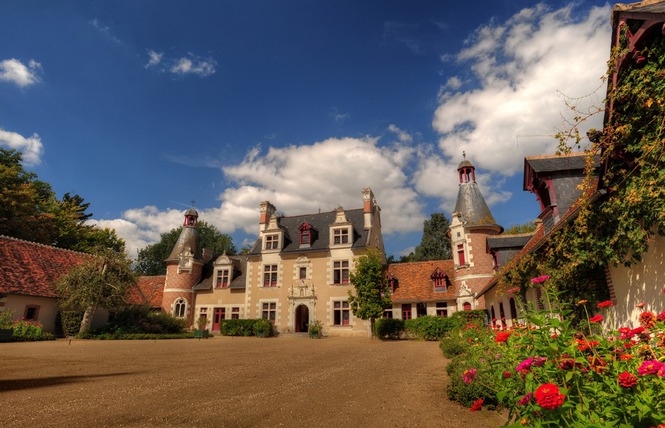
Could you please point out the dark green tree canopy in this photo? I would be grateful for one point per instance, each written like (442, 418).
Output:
(30, 210)
(435, 244)
(150, 260)
(520, 228)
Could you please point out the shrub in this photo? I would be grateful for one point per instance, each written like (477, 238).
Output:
(68, 323)
(452, 346)
(237, 327)
(6, 318)
(28, 331)
(429, 327)
(388, 328)
(476, 316)
(139, 319)
(263, 328)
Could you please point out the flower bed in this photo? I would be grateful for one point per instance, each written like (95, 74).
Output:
(548, 373)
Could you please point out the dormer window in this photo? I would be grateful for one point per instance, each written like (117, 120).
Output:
(439, 280)
(272, 242)
(341, 236)
(222, 278)
(393, 283)
(307, 234)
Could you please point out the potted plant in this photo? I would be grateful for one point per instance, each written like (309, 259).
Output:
(201, 330)
(263, 328)
(315, 329)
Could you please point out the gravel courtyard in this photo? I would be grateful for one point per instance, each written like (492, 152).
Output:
(229, 382)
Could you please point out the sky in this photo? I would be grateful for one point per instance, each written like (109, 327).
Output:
(145, 108)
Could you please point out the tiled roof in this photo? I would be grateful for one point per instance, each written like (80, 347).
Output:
(321, 223)
(32, 269)
(414, 281)
(147, 291)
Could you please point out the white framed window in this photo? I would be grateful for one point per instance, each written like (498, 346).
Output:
(341, 272)
(272, 242)
(442, 309)
(341, 312)
(270, 275)
(222, 278)
(341, 236)
(180, 308)
(269, 311)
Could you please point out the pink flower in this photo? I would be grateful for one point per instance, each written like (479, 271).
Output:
(524, 365)
(525, 400)
(539, 361)
(514, 290)
(548, 396)
(469, 375)
(649, 367)
(597, 318)
(540, 279)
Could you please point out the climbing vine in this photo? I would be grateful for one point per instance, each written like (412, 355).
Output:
(619, 213)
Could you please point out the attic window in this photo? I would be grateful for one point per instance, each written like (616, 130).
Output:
(222, 278)
(306, 233)
(439, 280)
(341, 236)
(272, 242)
(393, 283)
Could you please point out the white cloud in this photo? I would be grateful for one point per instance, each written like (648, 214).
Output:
(194, 65)
(337, 116)
(30, 147)
(105, 30)
(14, 71)
(521, 68)
(154, 58)
(402, 136)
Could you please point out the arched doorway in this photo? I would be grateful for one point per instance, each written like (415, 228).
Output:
(302, 318)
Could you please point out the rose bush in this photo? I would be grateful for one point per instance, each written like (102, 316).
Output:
(550, 373)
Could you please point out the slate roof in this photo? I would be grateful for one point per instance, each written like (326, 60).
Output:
(414, 281)
(517, 240)
(238, 280)
(471, 204)
(31, 269)
(147, 291)
(188, 238)
(321, 223)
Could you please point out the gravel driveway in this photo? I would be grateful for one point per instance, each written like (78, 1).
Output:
(287, 381)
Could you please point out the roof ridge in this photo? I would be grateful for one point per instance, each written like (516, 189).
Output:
(324, 212)
(45, 245)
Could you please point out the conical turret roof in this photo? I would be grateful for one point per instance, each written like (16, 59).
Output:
(470, 202)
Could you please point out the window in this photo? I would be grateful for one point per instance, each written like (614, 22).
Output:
(341, 236)
(302, 272)
(269, 311)
(270, 276)
(341, 313)
(307, 234)
(179, 308)
(388, 313)
(272, 242)
(513, 308)
(467, 306)
(441, 309)
(493, 316)
(502, 314)
(341, 272)
(406, 311)
(222, 278)
(460, 255)
(421, 310)
(305, 237)
(439, 280)
(31, 313)
(393, 283)
(235, 313)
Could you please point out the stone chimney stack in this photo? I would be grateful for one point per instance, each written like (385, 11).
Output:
(267, 210)
(368, 206)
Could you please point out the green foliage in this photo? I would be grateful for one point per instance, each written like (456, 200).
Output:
(68, 323)
(429, 327)
(25, 331)
(452, 346)
(6, 318)
(462, 318)
(263, 328)
(435, 244)
(315, 329)
(372, 294)
(520, 228)
(138, 319)
(30, 210)
(136, 336)
(150, 260)
(388, 328)
(237, 327)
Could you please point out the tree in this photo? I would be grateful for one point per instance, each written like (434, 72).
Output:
(101, 281)
(150, 260)
(435, 244)
(30, 210)
(372, 295)
(520, 228)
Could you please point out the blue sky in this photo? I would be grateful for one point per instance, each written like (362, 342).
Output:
(142, 107)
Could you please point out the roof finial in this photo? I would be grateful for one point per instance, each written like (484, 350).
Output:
(464, 154)
(193, 203)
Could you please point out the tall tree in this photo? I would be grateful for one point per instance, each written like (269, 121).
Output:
(372, 295)
(435, 244)
(102, 281)
(150, 260)
(30, 210)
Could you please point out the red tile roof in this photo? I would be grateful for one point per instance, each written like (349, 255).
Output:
(148, 290)
(414, 281)
(32, 269)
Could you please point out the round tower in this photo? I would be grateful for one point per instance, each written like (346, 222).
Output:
(183, 271)
(471, 224)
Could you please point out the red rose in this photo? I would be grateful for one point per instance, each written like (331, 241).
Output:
(477, 405)
(627, 380)
(548, 396)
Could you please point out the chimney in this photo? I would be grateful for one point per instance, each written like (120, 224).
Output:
(267, 210)
(368, 207)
